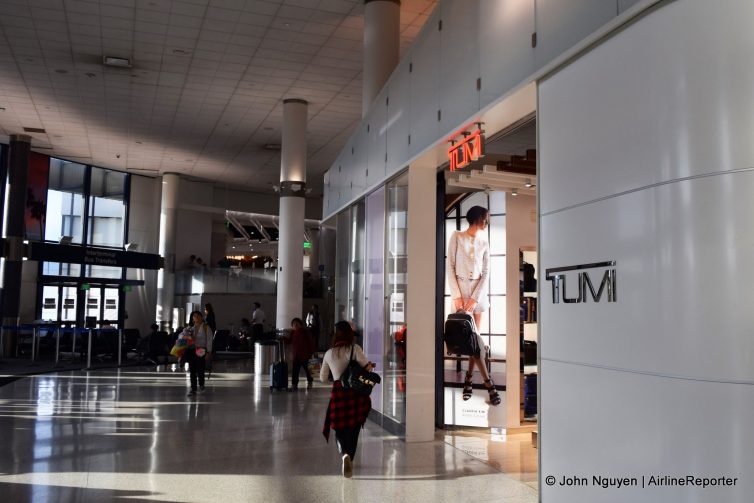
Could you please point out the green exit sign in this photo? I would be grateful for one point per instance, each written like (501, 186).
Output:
(307, 244)
(126, 288)
(85, 286)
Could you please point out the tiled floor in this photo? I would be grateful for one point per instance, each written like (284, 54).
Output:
(134, 435)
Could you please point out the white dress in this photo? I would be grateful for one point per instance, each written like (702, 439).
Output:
(468, 268)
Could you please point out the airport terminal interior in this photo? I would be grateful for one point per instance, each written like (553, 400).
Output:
(506, 209)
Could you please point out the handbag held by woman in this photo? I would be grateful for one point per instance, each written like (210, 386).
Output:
(358, 379)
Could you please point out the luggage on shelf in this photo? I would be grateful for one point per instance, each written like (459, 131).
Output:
(530, 395)
(460, 335)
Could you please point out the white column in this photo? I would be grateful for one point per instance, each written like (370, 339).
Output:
(381, 46)
(420, 307)
(292, 206)
(166, 275)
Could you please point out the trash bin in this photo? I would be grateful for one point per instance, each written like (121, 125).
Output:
(265, 354)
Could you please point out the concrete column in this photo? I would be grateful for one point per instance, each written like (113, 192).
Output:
(13, 226)
(381, 46)
(166, 276)
(420, 307)
(292, 206)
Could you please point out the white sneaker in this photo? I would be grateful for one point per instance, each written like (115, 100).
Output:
(347, 466)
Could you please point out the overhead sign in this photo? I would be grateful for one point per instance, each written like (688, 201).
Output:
(584, 283)
(467, 150)
(53, 252)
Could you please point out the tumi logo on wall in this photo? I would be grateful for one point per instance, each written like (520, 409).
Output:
(584, 284)
(467, 150)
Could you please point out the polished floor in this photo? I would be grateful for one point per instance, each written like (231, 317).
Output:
(133, 435)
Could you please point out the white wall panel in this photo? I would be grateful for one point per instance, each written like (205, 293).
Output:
(425, 86)
(624, 5)
(671, 100)
(376, 137)
(660, 382)
(560, 25)
(459, 62)
(398, 117)
(327, 207)
(506, 54)
(357, 161)
(683, 253)
(631, 425)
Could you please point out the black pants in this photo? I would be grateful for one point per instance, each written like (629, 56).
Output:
(297, 366)
(257, 332)
(347, 438)
(197, 364)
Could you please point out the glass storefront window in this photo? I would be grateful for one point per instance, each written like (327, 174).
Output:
(394, 379)
(357, 270)
(61, 269)
(65, 201)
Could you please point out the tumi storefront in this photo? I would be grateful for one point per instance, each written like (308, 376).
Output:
(643, 164)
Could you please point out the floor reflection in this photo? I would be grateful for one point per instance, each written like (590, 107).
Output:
(133, 434)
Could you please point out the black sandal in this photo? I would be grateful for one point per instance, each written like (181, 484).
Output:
(494, 395)
(467, 389)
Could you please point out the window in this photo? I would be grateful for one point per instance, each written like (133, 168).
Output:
(65, 201)
(107, 209)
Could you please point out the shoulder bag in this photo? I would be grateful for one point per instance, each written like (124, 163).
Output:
(357, 378)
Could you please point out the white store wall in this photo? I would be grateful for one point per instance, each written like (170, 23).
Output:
(646, 159)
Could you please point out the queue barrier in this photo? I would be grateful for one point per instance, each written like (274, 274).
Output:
(101, 335)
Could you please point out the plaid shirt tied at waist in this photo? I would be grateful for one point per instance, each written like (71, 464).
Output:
(346, 409)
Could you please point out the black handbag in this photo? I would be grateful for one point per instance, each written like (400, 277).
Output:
(460, 335)
(357, 378)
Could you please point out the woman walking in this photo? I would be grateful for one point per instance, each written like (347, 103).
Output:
(347, 411)
(468, 269)
(197, 354)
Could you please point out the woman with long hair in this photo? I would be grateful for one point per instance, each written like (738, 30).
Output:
(468, 269)
(209, 316)
(347, 411)
(197, 353)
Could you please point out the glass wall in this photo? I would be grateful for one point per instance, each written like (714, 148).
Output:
(107, 208)
(65, 201)
(396, 233)
(371, 288)
(87, 206)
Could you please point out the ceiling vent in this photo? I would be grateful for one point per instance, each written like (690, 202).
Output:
(34, 130)
(118, 62)
(272, 146)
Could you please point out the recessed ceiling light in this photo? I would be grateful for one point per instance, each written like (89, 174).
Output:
(514, 192)
(287, 25)
(115, 61)
(180, 52)
(60, 70)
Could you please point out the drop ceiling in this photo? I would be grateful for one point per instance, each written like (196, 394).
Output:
(203, 95)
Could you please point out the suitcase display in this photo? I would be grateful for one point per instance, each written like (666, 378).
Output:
(279, 371)
(460, 335)
(530, 395)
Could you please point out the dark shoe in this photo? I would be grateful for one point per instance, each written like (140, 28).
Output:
(467, 389)
(310, 385)
(192, 393)
(201, 388)
(494, 395)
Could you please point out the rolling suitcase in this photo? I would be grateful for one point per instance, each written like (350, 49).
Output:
(460, 335)
(279, 371)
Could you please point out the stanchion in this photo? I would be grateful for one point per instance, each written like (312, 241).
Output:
(120, 345)
(33, 343)
(57, 345)
(73, 344)
(2, 341)
(89, 352)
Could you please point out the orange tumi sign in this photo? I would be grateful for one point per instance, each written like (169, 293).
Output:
(471, 148)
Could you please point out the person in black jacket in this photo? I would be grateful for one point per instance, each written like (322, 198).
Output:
(209, 316)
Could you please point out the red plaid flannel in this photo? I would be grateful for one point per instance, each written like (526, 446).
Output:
(346, 409)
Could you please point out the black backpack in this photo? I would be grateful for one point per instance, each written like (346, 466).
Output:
(460, 335)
